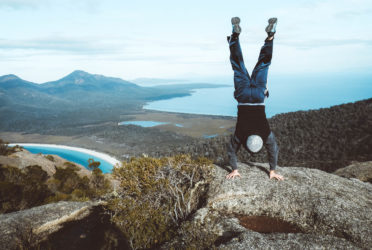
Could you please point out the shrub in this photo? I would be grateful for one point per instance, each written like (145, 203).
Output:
(10, 196)
(99, 182)
(11, 174)
(71, 165)
(31, 186)
(6, 150)
(155, 195)
(68, 185)
(197, 234)
(92, 165)
(50, 157)
(35, 173)
(66, 180)
(22, 189)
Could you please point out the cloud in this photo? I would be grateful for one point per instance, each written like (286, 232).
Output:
(113, 48)
(351, 14)
(63, 44)
(36, 4)
(319, 43)
(22, 4)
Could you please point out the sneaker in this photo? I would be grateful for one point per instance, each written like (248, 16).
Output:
(271, 27)
(235, 21)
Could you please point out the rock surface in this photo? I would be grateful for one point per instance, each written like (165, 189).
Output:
(254, 240)
(62, 225)
(326, 210)
(310, 209)
(358, 170)
(19, 227)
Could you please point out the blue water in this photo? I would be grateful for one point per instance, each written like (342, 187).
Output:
(287, 94)
(71, 155)
(145, 124)
(210, 136)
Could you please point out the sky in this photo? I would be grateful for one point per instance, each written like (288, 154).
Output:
(44, 40)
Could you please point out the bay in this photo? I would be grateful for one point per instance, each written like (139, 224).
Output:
(287, 94)
(73, 154)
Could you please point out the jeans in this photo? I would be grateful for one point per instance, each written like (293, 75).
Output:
(250, 89)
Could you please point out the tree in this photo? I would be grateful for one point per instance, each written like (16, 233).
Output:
(93, 164)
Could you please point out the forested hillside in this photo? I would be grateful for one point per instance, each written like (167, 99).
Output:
(325, 139)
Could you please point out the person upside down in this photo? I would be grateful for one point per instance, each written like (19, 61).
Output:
(252, 128)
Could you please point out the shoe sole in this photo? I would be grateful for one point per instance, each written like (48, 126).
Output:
(235, 21)
(272, 22)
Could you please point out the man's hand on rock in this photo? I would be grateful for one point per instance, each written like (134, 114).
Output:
(233, 174)
(276, 176)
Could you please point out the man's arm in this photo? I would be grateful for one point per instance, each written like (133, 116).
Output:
(233, 148)
(272, 151)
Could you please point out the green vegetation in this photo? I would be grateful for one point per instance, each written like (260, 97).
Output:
(22, 189)
(326, 139)
(155, 195)
(66, 184)
(99, 183)
(31, 186)
(189, 235)
(50, 157)
(92, 165)
(6, 150)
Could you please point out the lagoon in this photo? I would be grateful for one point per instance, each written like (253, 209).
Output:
(73, 154)
(145, 124)
(148, 124)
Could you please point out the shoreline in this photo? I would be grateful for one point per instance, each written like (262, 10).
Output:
(110, 159)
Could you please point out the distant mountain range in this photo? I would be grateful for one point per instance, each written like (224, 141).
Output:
(82, 89)
(81, 93)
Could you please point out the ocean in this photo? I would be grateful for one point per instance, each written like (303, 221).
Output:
(287, 94)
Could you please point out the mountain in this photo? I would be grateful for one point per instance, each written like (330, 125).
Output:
(17, 92)
(77, 97)
(83, 89)
(78, 89)
(80, 81)
(13, 81)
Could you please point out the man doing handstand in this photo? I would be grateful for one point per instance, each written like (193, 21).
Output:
(252, 128)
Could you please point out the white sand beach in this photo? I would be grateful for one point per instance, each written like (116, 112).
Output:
(102, 156)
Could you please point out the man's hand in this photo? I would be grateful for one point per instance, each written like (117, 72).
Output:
(276, 176)
(233, 174)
